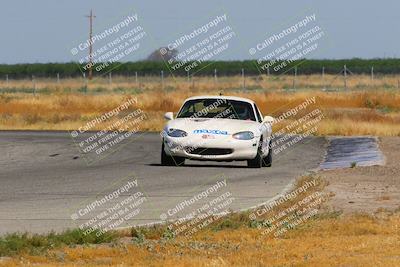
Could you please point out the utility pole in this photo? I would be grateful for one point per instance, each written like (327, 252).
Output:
(91, 17)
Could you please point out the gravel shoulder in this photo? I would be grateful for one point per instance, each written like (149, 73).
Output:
(367, 189)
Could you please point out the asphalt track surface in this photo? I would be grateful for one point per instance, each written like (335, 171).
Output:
(45, 180)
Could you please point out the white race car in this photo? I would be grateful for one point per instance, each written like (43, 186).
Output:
(217, 128)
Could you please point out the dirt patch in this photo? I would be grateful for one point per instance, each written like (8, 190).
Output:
(367, 189)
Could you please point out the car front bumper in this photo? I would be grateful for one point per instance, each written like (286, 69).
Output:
(197, 148)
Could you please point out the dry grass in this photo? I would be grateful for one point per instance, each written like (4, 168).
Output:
(351, 241)
(369, 112)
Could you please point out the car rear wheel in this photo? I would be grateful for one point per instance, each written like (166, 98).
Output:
(167, 160)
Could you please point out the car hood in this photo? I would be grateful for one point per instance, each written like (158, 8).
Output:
(214, 126)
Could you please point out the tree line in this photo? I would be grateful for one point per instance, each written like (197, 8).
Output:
(223, 68)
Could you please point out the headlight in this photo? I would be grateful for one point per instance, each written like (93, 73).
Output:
(243, 135)
(176, 133)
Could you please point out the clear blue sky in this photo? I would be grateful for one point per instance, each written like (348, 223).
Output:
(46, 30)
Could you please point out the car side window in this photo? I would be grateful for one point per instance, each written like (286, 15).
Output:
(259, 117)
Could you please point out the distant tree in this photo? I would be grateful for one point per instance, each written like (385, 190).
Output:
(163, 53)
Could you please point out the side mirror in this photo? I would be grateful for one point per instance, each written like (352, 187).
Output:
(169, 116)
(268, 119)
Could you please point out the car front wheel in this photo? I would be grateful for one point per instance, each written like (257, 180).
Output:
(267, 161)
(167, 160)
(257, 162)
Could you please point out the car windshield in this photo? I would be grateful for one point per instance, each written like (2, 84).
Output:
(217, 108)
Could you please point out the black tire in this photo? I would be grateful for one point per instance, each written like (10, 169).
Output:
(179, 161)
(257, 162)
(267, 161)
(167, 160)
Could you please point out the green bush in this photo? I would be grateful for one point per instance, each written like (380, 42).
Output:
(16, 243)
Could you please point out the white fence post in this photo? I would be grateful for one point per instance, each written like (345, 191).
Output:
(162, 79)
(84, 83)
(34, 84)
(243, 80)
(372, 73)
